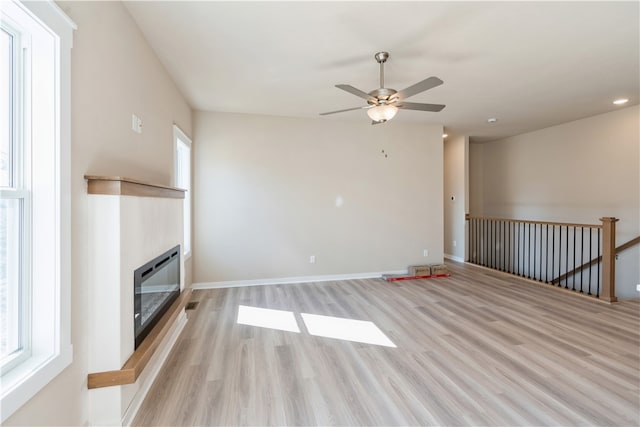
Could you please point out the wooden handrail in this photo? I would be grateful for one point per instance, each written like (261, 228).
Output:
(627, 245)
(594, 261)
(525, 221)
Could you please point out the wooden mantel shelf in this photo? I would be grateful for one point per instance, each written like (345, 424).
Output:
(139, 359)
(121, 186)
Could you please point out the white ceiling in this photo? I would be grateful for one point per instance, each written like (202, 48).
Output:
(530, 64)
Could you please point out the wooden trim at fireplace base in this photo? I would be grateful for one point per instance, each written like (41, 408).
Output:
(140, 358)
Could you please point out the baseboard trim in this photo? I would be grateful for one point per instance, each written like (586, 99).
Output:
(292, 280)
(454, 258)
(135, 404)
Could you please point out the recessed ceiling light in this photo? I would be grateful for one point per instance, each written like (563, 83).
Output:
(492, 120)
(621, 101)
(444, 135)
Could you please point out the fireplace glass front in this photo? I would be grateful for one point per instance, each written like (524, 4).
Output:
(156, 287)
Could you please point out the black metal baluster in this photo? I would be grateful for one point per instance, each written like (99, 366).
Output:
(546, 261)
(540, 257)
(510, 253)
(573, 276)
(524, 247)
(478, 240)
(519, 260)
(566, 263)
(473, 243)
(599, 260)
(501, 245)
(581, 259)
(502, 248)
(489, 248)
(529, 254)
(516, 242)
(485, 245)
(494, 258)
(559, 254)
(590, 256)
(496, 261)
(478, 222)
(553, 250)
(535, 236)
(520, 248)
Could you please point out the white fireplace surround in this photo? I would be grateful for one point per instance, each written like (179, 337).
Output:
(125, 231)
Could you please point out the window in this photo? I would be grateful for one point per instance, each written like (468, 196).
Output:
(14, 208)
(183, 180)
(35, 346)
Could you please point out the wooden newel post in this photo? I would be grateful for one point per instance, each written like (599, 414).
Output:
(608, 292)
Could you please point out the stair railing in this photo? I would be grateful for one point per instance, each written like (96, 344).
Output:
(579, 257)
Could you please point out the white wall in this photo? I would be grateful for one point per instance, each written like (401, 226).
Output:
(574, 172)
(114, 74)
(270, 192)
(456, 186)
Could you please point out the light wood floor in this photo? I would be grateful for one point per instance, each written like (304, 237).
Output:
(478, 348)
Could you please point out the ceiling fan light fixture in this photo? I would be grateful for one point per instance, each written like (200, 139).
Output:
(382, 113)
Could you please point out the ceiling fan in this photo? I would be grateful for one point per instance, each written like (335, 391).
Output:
(383, 103)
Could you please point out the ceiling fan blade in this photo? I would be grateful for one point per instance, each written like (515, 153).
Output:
(346, 109)
(421, 107)
(426, 84)
(356, 92)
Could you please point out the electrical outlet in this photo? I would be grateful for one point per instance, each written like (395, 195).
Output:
(425, 252)
(455, 243)
(312, 259)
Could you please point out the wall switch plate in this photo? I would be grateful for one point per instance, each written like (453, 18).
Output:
(136, 124)
(425, 252)
(455, 243)
(312, 259)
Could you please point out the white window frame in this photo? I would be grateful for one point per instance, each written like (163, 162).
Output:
(180, 137)
(47, 36)
(19, 190)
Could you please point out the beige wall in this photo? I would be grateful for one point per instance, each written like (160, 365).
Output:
(456, 194)
(575, 172)
(114, 74)
(270, 192)
(476, 177)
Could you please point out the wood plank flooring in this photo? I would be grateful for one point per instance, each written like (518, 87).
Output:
(477, 348)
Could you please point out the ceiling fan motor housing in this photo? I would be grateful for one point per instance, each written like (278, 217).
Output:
(382, 95)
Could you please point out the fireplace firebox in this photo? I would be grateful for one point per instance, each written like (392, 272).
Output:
(156, 287)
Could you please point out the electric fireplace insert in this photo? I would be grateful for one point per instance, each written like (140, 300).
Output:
(156, 287)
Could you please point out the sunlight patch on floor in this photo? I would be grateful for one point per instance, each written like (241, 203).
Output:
(267, 318)
(345, 329)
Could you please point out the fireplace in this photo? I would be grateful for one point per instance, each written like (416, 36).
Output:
(156, 287)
